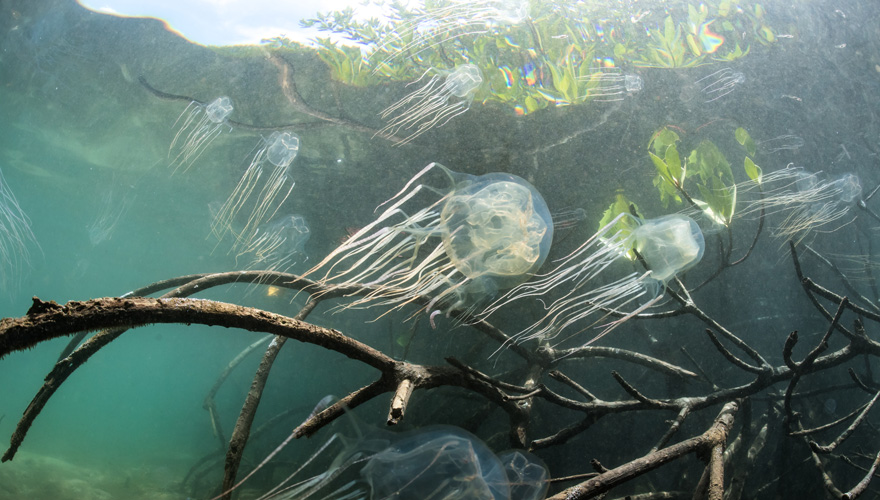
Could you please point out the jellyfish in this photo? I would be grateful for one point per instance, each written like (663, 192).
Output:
(612, 85)
(713, 86)
(481, 235)
(115, 203)
(806, 201)
(781, 143)
(197, 127)
(439, 100)
(259, 197)
(16, 239)
(720, 83)
(667, 246)
(441, 462)
(279, 245)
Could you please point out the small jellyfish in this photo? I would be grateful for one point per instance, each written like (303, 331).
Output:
(830, 406)
(280, 245)
(115, 203)
(483, 234)
(441, 99)
(16, 239)
(720, 83)
(200, 125)
(781, 143)
(806, 201)
(259, 197)
(666, 246)
(607, 85)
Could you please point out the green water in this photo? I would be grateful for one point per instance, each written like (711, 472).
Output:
(84, 146)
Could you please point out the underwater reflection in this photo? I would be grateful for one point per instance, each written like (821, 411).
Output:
(444, 22)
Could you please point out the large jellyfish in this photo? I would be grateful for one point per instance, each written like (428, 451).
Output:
(439, 100)
(666, 246)
(259, 196)
(16, 239)
(197, 127)
(484, 234)
(437, 462)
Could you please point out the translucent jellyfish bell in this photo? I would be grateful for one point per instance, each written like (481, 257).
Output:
(527, 475)
(667, 245)
(439, 100)
(850, 187)
(441, 462)
(219, 109)
(464, 80)
(197, 127)
(282, 149)
(484, 234)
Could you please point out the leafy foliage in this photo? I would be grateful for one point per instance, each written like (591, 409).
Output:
(533, 54)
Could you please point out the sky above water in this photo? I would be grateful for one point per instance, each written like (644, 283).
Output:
(227, 22)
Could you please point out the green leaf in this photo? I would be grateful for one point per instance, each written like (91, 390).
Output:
(663, 139)
(673, 165)
(662, 169)
(619, 232)
(753, 171)
(669, 30)
(745, 140)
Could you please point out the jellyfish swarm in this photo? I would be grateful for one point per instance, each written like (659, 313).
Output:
(433, 105)
(259, 197)
(16, 239)
(483, 234)
(807, 201)
(200, 125)
(441, 462)
(666, 246)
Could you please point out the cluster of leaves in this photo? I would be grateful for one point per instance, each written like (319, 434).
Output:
(705, 171)
(556, 55)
